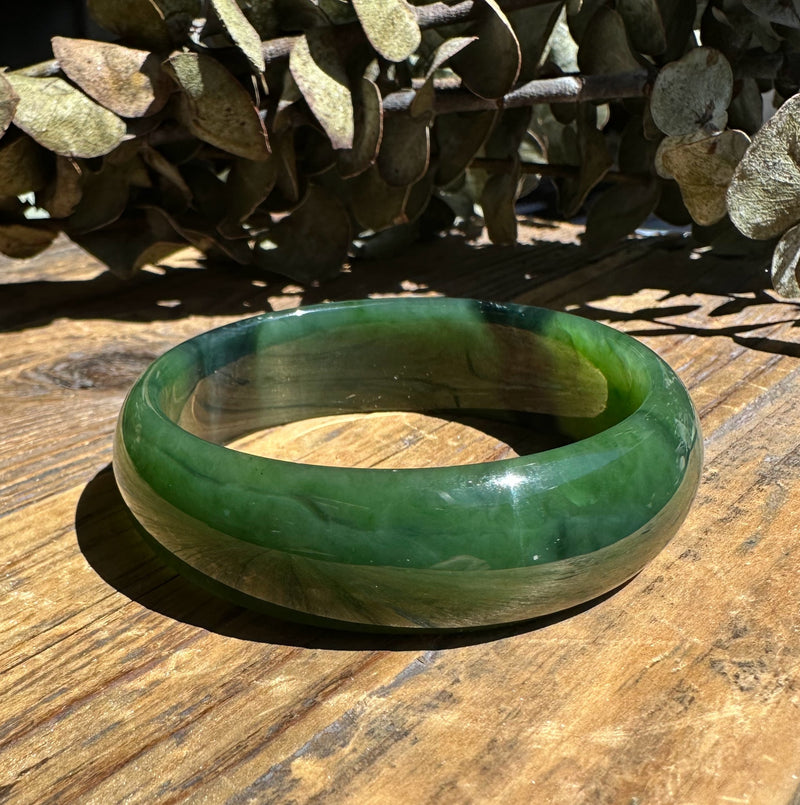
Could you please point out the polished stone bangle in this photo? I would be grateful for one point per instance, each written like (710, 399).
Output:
(450, 547)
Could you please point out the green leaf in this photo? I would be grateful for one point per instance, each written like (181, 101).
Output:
(126, 81)
(391, 27)
(367, 131)
(703, 169)
(405, 149)
(311, 243)
(317, 67)
(618, 211)
(23, 166)
(240, 31)
(8, 103)
(764, 194)
(63, 119)
(604, 47)
(785, 263)
(21, 240)
(216, 108)
(140, 24)
(489, 66)
(693, 93)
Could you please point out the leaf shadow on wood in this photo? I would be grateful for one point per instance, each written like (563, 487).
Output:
(550, 274)
(113, 547)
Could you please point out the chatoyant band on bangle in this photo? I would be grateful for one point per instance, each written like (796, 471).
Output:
(435, 548)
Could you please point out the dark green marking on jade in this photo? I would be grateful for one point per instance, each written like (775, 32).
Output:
(435, 548)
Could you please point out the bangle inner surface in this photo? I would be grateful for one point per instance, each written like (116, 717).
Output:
(532, 373)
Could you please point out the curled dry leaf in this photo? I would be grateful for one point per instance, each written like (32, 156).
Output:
(693, 93)
(391, 27)
(703, 170)
(63, 119)
(785, 261)
(425, 96)
(103, 200)
(774, 11)
(317, 67)
(367, 131)
(489, 66)
(126, 81)
(764, 194)
(310, 243)
(240, 31)
(23, 166)
(8, 103)
(216, 108)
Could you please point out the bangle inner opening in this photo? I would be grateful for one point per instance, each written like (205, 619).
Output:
(256, 379)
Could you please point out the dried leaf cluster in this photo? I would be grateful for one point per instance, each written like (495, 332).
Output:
(289, 134)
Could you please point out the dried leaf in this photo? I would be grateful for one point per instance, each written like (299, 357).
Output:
(425, 96)
(774, 11)
(249, 183)
(178, 16)
(140, 24)
(216, 108)
(405, 150)
(489, 67)
(368, 131)
(594, 161)
(678, 17)
(703, 169)
(316, 66)
(785, 261)
(497, 201)
(311, 243)
(23, 166)
(764, 194)
(693, 93)
(376, 205)
(644, 25)
(391, 27)
(126, 81)
(63, 119)
(459, 136)
(604, 47)
(62, 195)
(103, 200)
(241, 32)
(618, 211)
(8, 103)
(20, 240)
(534, 28)
(746, 111)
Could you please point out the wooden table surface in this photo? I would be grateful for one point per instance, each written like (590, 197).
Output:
(119, 682)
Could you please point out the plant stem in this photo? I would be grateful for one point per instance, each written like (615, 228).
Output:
(564, 89)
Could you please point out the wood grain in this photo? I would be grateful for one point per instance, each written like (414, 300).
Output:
(119, 682)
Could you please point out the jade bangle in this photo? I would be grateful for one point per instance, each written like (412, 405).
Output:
(436, 548)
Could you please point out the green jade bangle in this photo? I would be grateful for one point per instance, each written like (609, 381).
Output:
(437, 548)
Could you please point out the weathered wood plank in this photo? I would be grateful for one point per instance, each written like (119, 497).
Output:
(120, 682)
